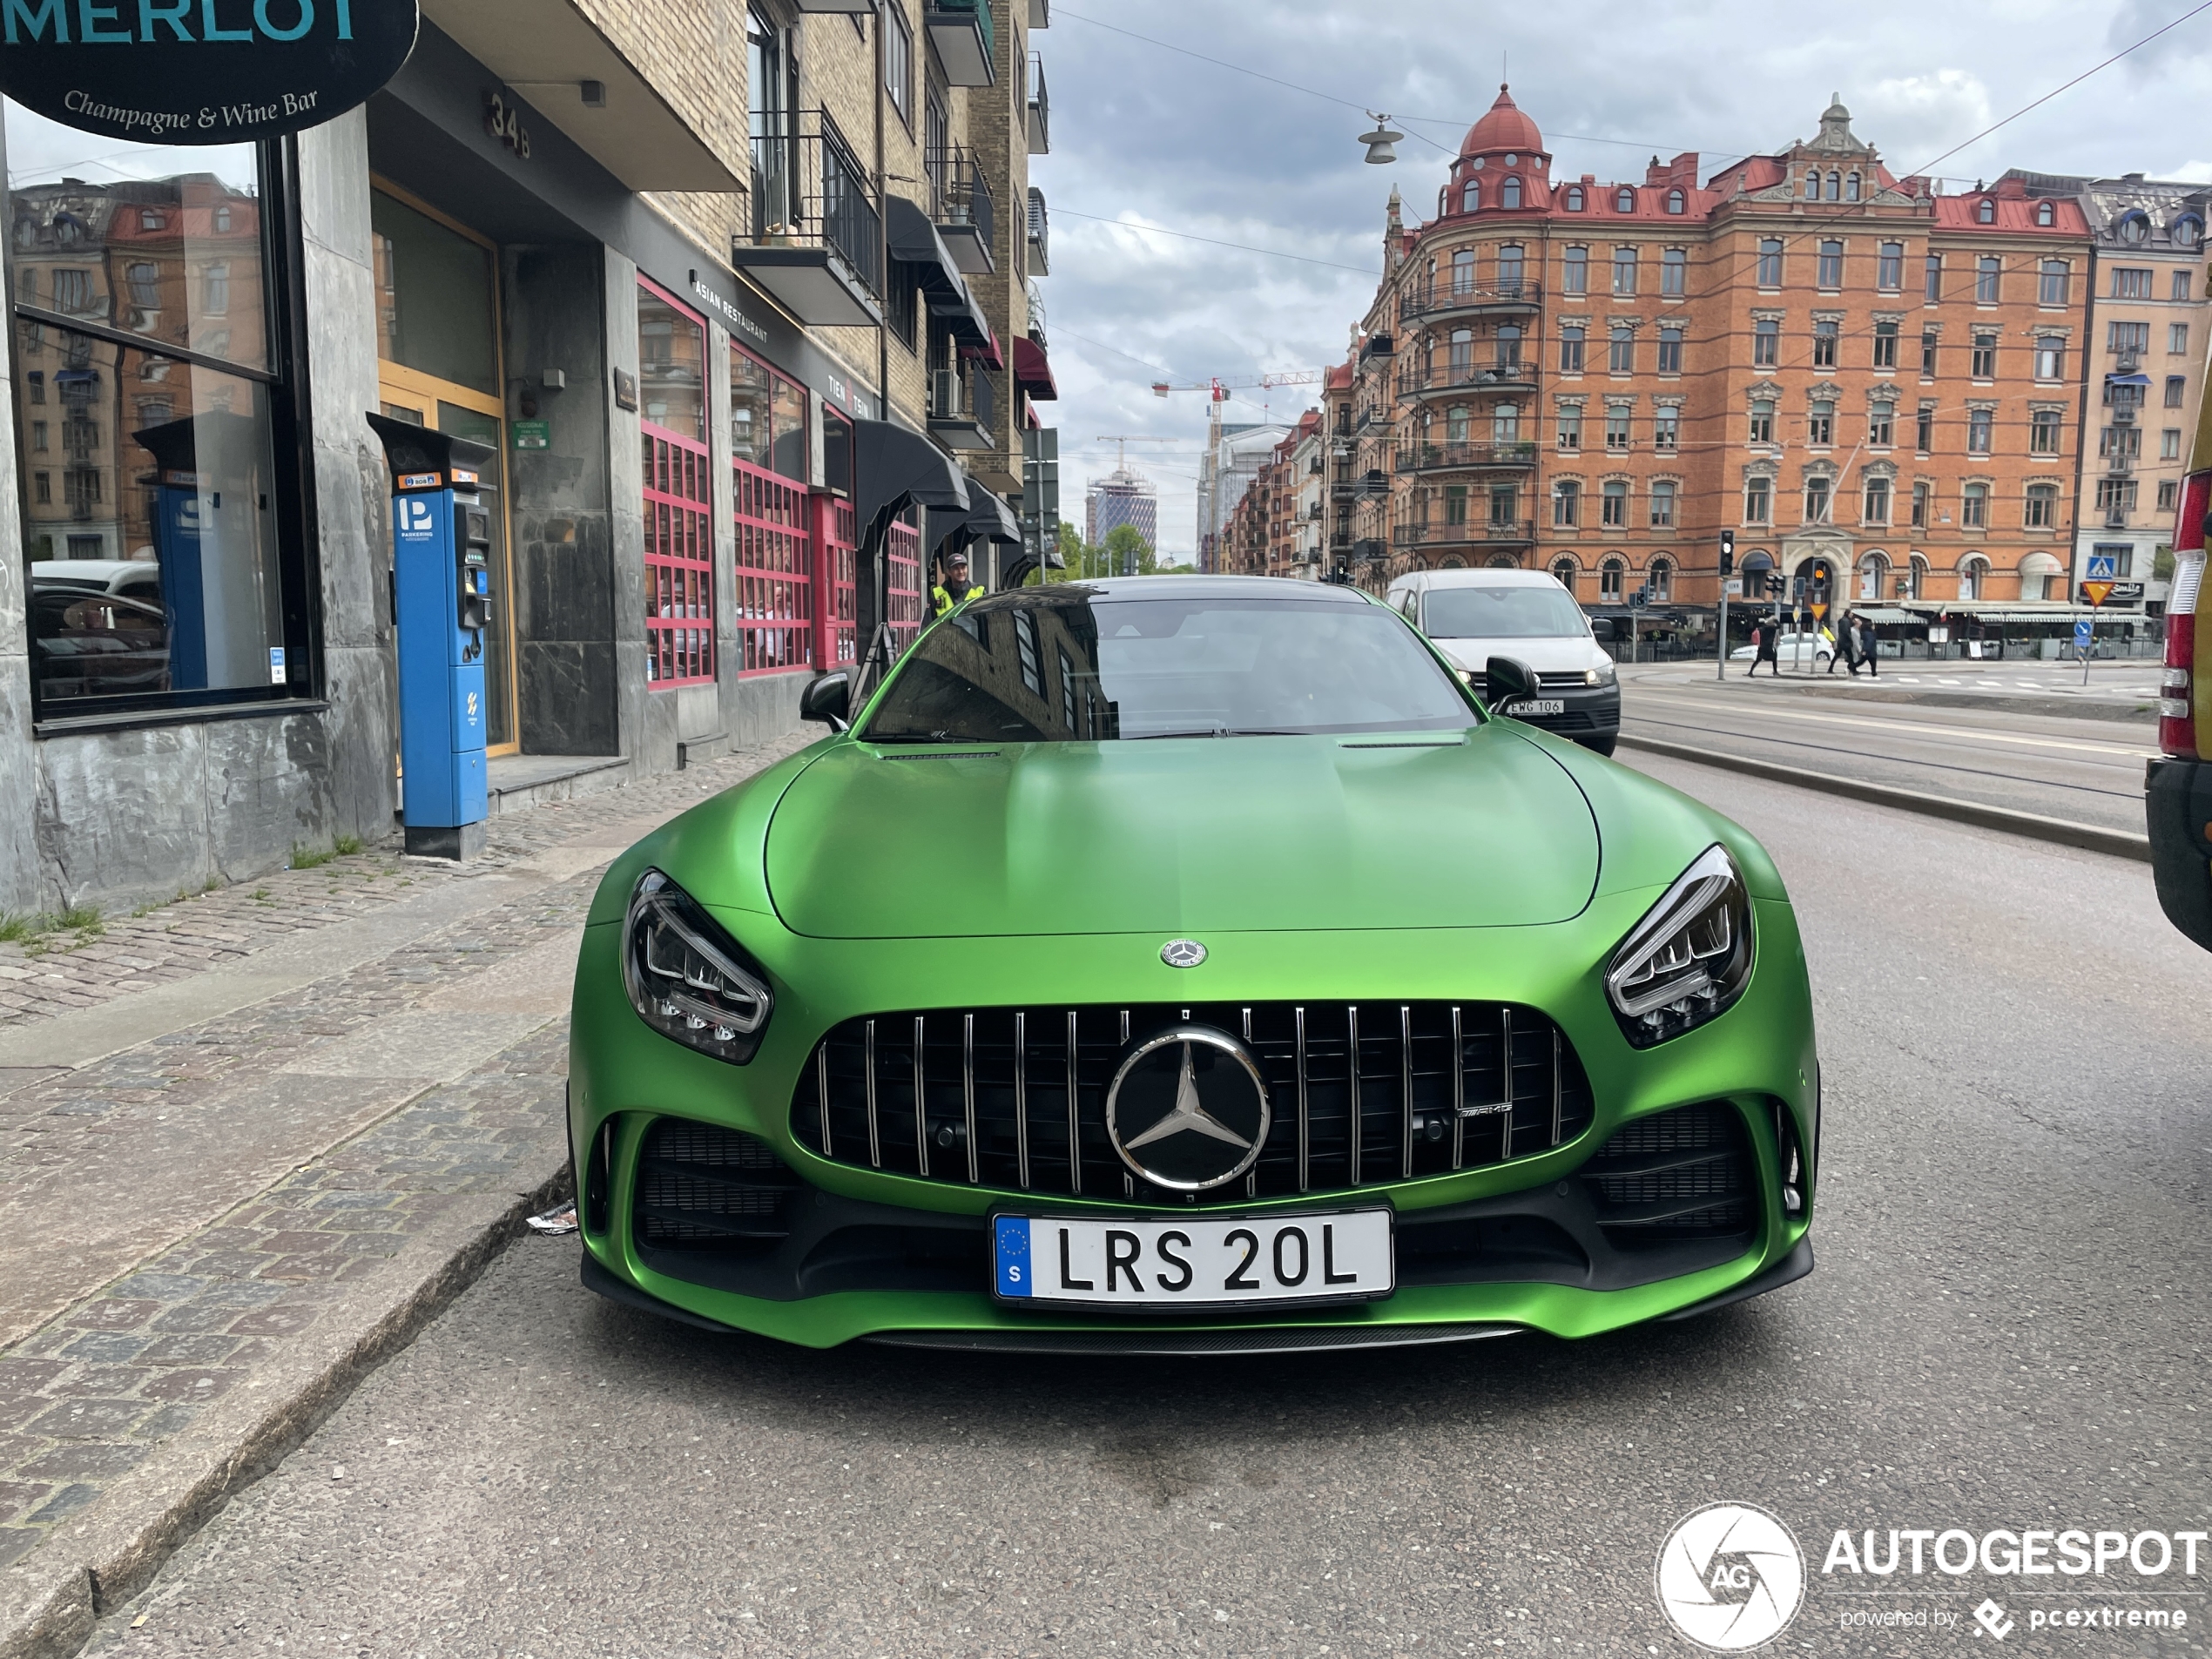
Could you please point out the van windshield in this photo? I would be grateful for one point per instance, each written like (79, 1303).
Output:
(1055, 664)
(1548, 612)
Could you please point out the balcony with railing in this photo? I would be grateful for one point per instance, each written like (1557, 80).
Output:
(1492, 532)
(962, 32)
(1040, 109)
(960, 206)
(1456, 457)
(1417, 380)
(960, 408)
(1433, 301)
(1040, 233)
(817, 242)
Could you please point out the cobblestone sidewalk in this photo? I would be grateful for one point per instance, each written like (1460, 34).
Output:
(136, 1392)
(73, 967)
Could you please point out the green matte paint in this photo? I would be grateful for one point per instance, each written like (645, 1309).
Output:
(1483, 861)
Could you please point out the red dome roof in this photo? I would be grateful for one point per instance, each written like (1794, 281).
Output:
(1504, 128)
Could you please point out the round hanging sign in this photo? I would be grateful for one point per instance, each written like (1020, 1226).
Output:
(199, 72)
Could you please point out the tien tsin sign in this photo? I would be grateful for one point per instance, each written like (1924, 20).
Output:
(199, 72)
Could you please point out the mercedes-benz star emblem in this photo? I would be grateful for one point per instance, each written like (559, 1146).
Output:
(1189, 1110)
(1183, 952)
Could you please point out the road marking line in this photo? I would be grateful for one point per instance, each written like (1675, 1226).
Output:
(1909, 726)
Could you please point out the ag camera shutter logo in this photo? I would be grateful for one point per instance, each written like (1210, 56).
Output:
(1730, 1577)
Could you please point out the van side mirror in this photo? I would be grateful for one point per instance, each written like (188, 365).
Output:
(1508, 680)
(829, 698)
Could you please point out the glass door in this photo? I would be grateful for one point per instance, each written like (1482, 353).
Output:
(438, 365)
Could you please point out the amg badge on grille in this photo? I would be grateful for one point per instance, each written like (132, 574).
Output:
(1183, 952)
(1189, 1110)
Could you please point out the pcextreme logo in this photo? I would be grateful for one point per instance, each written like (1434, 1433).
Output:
(1730, 1577)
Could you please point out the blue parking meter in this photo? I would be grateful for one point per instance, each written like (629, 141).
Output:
(441, 602)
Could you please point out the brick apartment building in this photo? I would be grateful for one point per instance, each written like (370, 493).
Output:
(743, 297)
(1878, 388)
(2146, 358)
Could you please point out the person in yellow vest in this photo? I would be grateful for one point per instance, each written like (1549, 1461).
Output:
(955, 588)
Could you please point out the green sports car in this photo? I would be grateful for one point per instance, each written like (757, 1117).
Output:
(1190, 965)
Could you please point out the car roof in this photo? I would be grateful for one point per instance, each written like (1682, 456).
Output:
(101, 570)
(1488, 577)
(1189, 586)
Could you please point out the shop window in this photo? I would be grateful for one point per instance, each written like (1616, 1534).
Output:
(773, 615)
(679, 540)
(903, 578)
(434, 305)
(189, 499)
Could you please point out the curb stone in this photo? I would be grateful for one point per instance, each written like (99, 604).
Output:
(2092, 837)
(50, 1607)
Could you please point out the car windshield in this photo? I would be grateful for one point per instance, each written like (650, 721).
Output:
(1072, 664)
(1501, 613)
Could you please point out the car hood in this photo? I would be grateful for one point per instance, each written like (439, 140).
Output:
(1569, 654)
(1183, 835)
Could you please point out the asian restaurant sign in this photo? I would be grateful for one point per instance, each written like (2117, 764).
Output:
(199, 72)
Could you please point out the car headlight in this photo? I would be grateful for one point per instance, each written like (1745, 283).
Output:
(689, 980)
(1689, 959)
(1601, 675)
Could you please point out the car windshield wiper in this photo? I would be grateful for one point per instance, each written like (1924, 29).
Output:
(1223, 732)
(925, 737)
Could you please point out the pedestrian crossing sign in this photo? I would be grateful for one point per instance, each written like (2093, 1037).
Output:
(2104, 566)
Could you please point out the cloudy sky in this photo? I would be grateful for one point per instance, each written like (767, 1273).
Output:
(1145, 135)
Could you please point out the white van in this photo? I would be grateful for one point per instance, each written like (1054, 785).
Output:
(1474, 615)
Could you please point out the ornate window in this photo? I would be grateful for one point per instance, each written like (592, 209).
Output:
(1567, 509)
(1766, 342)
(1624, 200)
(1874, 506)
(2042, 511)
(1624, 271)
(1973, 506)
(1984, 211)
(1825, 333)
(2044, 215)
(1563, 572)
(1886, 345)
(1820, 423)
(1663, 505)
(1575, 271)
(1889, 267)
(1758, 501)
(1573, 198)
(2052, 281)
(1472, 200)
(1509, 268)
(1659, 579)
(1880, 423)
(1570, 348)
(1831, 272)
(1674, 270)
(1851, 188)
(1614, 501)
(1608, 579)
(1509, 193)
(1762, 430)
(1676, 201)
(1770, 275)
(1817, 494)
(1670, 351)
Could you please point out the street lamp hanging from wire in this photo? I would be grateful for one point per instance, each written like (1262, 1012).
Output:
(1379, 153)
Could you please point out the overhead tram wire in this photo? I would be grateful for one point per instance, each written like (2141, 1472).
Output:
(1331, 98)
(1242, 247)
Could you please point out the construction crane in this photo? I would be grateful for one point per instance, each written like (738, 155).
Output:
(1122, 443)
(1221, 388)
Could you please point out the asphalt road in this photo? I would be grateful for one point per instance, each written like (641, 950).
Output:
(2085, 770)
(2008, 1328)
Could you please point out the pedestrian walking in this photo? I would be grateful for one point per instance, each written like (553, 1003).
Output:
(1841, 650)
(1765, 648)
(1869, 647)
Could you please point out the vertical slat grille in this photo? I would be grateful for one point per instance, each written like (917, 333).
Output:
(1016, 1099)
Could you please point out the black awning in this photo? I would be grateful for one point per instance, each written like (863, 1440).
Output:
(986, 518)
(897, 468)
(989, 519)
(912, 240)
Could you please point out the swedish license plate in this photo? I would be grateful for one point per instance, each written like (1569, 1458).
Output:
(1190, 1262)
(1528, 705)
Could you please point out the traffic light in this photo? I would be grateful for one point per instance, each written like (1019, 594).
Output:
(1728, 552)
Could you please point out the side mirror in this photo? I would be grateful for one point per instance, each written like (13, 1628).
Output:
(829, 698)
(1508, 680)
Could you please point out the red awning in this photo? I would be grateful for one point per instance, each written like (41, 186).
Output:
(987, 353)
(1031, 369)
